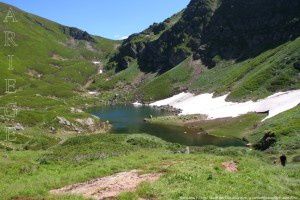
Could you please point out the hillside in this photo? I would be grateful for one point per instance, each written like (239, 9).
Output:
(255, 78)
(249, 48)
(51, 64)
(46, 51)
(227, 29)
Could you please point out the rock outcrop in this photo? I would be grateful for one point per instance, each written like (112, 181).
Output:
(77, 34)
(266, 142)
(63, 121)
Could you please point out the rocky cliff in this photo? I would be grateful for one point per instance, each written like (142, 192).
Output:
(77, 33)
(210, 30)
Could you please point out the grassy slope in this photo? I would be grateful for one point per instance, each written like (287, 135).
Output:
(122, 84)
(49, 66)
(167, 83)
(128, 77)
(270, 72)
(38, 40)
(258, 77)
(286, 127)
(110, 81)
(34, 173)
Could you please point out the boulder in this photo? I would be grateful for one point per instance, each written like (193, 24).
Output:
(266, 142)
(18, 127)
(63, 121)
(89, 123)
(52, 129)
(75, 110)
(86, 122)
(77, 129)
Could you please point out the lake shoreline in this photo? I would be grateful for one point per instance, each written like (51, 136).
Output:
(129, 119)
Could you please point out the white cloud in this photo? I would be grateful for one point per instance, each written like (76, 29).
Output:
(118, 37)
(124, 37)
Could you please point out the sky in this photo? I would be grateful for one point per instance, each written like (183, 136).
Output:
(114, 19)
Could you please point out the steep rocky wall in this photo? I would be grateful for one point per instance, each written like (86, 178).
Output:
(229, 29)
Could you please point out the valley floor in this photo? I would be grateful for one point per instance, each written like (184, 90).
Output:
(35, 161)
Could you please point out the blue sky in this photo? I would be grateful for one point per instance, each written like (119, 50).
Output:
(108, 18)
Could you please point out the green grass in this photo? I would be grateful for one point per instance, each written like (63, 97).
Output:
(200, 176)
(50, 69)
(286, 127)
(33, 173)
(38, 41)
(255, 78)
(259, 77)
(232, 127)
(238, 127)
(30, 139)
(111, 81)
(168, 83)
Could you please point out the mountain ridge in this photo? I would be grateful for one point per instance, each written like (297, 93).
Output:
(210, 28)
(75, 32)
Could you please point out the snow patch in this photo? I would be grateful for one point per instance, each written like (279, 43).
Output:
(93, 93)
(96, 62)
(137, 104)
(218, 107)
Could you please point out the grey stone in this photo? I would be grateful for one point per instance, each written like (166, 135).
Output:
(63, 121)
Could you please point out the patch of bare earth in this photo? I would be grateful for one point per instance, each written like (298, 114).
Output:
(230, 166)
(34, 74)
(58, 57)
(109, 186)
(89, 46)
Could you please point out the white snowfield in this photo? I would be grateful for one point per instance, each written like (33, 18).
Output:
(137, 104)
(218, 107)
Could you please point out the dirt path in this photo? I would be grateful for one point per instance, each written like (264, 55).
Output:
(109, 186)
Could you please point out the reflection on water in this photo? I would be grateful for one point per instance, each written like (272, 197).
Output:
(129, 119)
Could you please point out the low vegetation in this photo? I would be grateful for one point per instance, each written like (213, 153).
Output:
(34, 173)
(239, 127)
(52, 64)
(270, 72)
(54, 141)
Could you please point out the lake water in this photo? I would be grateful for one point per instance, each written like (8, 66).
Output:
(127, 119)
